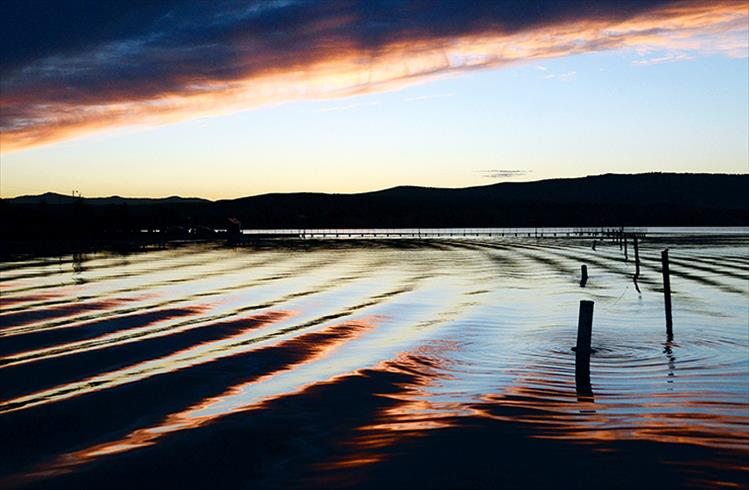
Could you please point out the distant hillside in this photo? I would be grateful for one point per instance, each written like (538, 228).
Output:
(605, 200)
(55, 198)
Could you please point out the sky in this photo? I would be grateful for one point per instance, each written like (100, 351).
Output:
(227, 99)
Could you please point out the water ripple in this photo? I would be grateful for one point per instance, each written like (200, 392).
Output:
(414, 344)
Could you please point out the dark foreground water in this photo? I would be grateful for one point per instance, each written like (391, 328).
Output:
(376, 364)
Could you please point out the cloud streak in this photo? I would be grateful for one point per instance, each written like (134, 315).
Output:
(504, 173)
(562, 77)
(348, 107)
(428, 97)
(667, 58)
(71, 70)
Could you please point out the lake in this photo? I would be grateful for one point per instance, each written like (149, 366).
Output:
(422, 363)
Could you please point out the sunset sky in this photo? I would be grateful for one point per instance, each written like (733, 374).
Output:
(226, 99)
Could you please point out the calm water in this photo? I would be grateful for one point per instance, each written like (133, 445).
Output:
(408, 363)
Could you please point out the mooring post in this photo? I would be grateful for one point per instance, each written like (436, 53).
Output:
(584, 326)
(583, 275)
(626, 257)
(637, 265)
(667, 293)
(583, 351)
(583, 387)
(594, 244)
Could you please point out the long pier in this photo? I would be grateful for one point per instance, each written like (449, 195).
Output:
(602, 233)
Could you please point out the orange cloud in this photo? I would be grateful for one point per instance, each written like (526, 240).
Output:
(39, 112)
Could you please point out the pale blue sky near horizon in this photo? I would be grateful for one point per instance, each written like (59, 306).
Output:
(578, 115)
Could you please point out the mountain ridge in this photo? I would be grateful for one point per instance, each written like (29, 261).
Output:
(648, 199)
(398, 188)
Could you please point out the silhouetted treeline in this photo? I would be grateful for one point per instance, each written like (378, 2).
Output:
(655, 199)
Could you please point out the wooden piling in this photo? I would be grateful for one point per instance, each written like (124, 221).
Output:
(667, 293)
(583, 386)
(626, 256)
(583, 275)
(637, 259)
(584, 327)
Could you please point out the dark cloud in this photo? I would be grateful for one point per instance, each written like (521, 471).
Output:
(504, 173)
(36, 29)
(60, 57)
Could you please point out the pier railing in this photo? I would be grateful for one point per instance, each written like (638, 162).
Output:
(545, 232)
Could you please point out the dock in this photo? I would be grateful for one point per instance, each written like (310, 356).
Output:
(600, 233)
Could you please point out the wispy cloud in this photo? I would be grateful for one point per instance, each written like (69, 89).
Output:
(427, 97)
(562, 77)
(348, 107)
(503, 173)
(668, 58)
(108, 65)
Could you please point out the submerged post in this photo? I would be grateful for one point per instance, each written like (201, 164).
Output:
(583, 275)
(667, 293)
(583, 386)
(584, 327)
(637, 259)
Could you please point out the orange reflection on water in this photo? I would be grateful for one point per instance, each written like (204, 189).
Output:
(6, 301)
(413, 415)
(190, 356)
(661, 419)
(21, 318)
(556, 413)
(549, 407)
(307, 348)
(120, 336)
